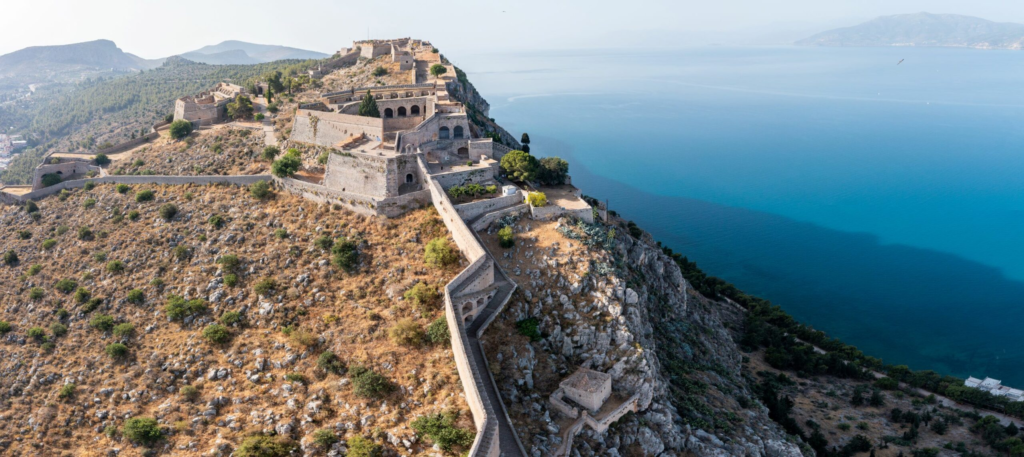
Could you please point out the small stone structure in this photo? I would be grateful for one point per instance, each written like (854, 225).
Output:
(207, 107)
(591, 390)
(587, 387)
(995, 387)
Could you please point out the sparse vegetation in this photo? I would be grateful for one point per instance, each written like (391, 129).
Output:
(116, 350)
(177, 308)
(142, 430)
(168, 211)
(440, 253)
(144, 196)
(506, 237)
(216, 333)
(265, 446)
(424, 297)
(407, 333)
(367, 383)
(260, 190)
(180, 129)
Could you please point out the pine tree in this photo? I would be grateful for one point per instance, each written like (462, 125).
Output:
(525, 139)
(368, 107)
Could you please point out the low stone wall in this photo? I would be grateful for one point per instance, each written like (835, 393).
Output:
(550, 211)
(478, 175)
(601, 425)
(152, 135)
(487, 219)
(561, 406)
(470, 211)
(65, 169)
(243, 180)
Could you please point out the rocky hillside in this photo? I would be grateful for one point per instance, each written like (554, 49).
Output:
(226, 320)
(221, 151)
(606, 297)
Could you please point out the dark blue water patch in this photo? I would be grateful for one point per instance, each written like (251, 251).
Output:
(926, 309)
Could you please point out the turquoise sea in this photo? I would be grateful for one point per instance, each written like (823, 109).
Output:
(881, 203)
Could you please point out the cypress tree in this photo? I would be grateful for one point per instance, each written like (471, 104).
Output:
(368, 107)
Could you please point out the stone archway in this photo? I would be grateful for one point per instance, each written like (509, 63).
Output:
(388, 112)
(463, 152)
(457, 132)
(415, 110)
(409, 178)
(401, 111)
(443, 133)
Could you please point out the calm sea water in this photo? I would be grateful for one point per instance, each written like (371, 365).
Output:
(881, 203)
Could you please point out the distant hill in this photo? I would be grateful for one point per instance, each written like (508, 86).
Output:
(99, 54)
(234, 52)
(924, 29)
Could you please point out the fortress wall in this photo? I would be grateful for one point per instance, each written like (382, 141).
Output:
(332, 128)
(488, 218)
(130, 143)
(396, 124)
(78, 183)
(478, 175)
(470, 211)
(359, 174)
(481, 147)
(360, 204)
(65, 169)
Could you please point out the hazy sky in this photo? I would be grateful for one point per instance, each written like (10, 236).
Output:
(153, 29)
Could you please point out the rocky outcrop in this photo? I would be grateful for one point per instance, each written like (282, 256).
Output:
(623, 307)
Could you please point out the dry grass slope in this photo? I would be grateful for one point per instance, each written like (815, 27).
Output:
(242, 386)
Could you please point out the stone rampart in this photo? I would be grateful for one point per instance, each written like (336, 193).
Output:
(152, 135)
(65, 169)
(361, 204)
(477, 175)
(552, 211)
(328, 129)
(472, 210)
(489, 218)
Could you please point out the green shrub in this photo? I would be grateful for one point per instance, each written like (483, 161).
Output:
(330, 363)
(217, 221)
(124, 330)
(180, 129)
(406, 333)
(89, 186)
(260, 190)
(36, 293)
(380, 71)
(189, 392)
(367, 383)
(102, 322)
(82, 295)
(181, 252)
(270, 153)
(49, 244)
(62, 313)
(100, 256)
(136, 296)
(67, 391)
(280, 234)
(324, 243)
(168, 211)
(66, 285)
(35, 269)
(24, 234)
(265, 286)
(31, 207)
(520, 166)
(36, 333)
(133, 215)
(84, 233)
(345, 255)
(229, 263)
(295, 377)
(437, 331)
(142, 430)
(122, 188)
(266, 446)
(4, 327)
(92, 305)
(362, 447)
(230, 280)
(441, 429)
(216, 333)
(11, 257)
(537, 199)
(115, 266)
(529, 328)
(143, 196)
(50, 179)
(324, 438)
(887, 383)
(89, 203)
(58, 329)
(424, 297)
(231, 317)
(116, 350)
(506, 238)
(287, 165)
(439, 253)
(48, 346)
(177, 308)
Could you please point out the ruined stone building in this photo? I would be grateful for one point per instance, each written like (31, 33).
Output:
(207, 107)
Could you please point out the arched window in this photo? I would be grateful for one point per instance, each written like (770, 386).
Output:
(388, 112)
(415, 110)
(467, 307)
(458, 131)
(463, 152)
(443, 133)
(401, 111)
(409, 178)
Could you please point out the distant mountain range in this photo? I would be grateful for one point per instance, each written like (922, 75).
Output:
(924, 29)
(62, 63)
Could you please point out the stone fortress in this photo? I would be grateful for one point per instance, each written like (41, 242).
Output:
(208, 107)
